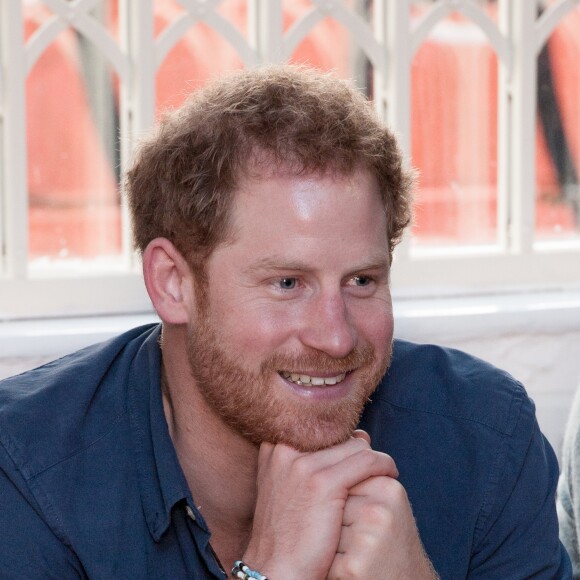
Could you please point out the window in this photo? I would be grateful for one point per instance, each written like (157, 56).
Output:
(483, 94)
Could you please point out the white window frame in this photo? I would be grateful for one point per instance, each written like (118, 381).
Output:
(87, 289)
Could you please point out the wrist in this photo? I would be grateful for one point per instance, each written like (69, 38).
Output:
(241, 570)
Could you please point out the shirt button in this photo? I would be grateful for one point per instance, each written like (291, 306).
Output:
(190, 513)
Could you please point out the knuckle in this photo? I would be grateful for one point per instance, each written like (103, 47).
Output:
(397, 491)
(358, 443)
(351, 568)
(281, 456)
(377, 515)
(388, 462)
(303, 467)
(370, 456)
(387, 487)
(318, 482)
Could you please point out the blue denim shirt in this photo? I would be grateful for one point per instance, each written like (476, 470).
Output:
(91, 487)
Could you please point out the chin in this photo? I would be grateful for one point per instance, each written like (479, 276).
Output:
(313, 436)
(315, 445)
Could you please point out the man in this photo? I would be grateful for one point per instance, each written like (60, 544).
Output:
(266, 211)
(568, 505)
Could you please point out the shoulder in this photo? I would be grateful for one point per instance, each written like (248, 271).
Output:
(442, 381)
(52, 411)
(438, 405)
(472, 459)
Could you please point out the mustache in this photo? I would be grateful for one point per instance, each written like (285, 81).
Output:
(319, 361)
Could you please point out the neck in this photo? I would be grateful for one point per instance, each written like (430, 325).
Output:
(219, 464)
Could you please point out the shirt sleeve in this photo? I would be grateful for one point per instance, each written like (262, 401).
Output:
(29, 549)
(569, 487)
(517, 536)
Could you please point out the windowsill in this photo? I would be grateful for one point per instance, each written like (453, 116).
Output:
(421, 319)
(471, 317)
(59, 336)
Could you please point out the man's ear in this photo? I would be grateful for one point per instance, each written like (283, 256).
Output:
(169, 281)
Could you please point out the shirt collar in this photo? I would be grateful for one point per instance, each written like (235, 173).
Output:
(161, 479)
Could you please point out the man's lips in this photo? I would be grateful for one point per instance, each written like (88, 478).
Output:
(312, 380)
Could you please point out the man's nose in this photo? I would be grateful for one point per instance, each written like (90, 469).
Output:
(327, 326)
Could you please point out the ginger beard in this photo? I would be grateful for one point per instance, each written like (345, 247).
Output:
(256, 406)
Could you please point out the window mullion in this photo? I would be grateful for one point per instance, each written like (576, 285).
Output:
(392, 26)
(138, 96)
(14, 171)
(505, 102)
(266, 29)
(393, 89)
(522, 184)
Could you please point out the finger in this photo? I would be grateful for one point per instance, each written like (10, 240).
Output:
(284, 459)
(358, 511)
(337, 565)
(387, 502)
(282, 455)
(331, 455)
(336, 469)
(358, 467)
(360, 434)
(265, 453)
(347, 539)
(387, 487)
(265, 450)
(363, 542)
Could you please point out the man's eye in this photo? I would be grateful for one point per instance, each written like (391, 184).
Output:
(362, 280)
(287, 283)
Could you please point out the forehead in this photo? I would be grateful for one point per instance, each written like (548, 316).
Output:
(306, 195)
(307, 215)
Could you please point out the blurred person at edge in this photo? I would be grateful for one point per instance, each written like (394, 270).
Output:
(270, 425)
(568, 504)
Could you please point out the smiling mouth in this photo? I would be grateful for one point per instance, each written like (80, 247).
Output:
(300, 379)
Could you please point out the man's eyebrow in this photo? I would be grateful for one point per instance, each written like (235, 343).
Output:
(276, 263)
(379, 262)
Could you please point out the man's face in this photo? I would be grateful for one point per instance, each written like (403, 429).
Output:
(296, 326)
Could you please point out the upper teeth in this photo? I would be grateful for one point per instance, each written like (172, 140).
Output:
(316, 381)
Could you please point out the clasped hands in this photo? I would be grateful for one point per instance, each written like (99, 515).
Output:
(335, 513)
